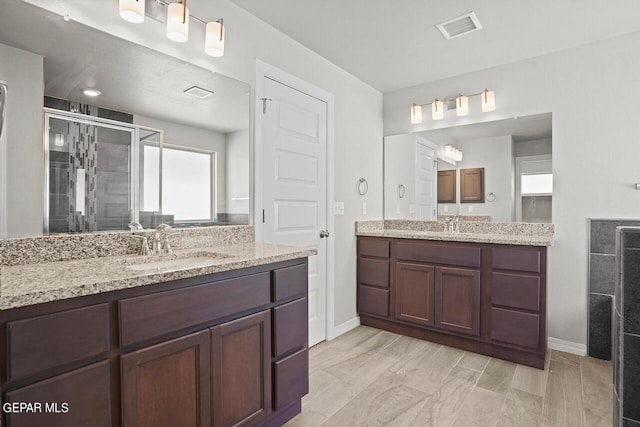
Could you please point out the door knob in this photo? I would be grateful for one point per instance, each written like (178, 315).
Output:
(324, 233)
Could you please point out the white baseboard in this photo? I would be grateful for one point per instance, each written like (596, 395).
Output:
(343, 328)
(567, 346)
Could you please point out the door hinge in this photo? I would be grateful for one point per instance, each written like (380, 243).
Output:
(263, 216)
(264, 104)
(435, 163)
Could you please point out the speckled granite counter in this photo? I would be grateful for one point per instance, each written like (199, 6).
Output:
(511, 233)
(28, 284)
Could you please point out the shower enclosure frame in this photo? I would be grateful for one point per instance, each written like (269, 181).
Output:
(134, 167)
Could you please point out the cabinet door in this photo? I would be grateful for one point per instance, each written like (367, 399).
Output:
(413, 293)
(241, 371)
(472, 185)
(458, 300)
(168, 384)
(77, 398)
(447, 186)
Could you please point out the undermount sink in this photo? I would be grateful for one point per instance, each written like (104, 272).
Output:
(172, 262)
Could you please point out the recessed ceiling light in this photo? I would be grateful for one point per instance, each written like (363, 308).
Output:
(91, 92)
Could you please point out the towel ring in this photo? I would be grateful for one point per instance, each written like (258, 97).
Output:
(401, 191)
(362, 186)
(491, 197)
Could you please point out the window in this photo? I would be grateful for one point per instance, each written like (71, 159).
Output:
(187, 179)
(537, 183)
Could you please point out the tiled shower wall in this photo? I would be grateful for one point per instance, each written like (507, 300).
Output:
(602, 278)
(626, 354)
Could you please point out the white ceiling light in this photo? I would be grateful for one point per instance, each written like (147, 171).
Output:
(214, 38)
(488, 100)
(460, 26)
(91, 92)
(438, 107)
(462, 105)
(437, 110)
(178, 22)
(132, 10)
(416, 114)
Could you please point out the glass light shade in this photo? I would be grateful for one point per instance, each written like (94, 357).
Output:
(488, 100)
(132, 10)
(437, 110)
(177, 28)
(462, 105)
(416, 114)
(213, 42)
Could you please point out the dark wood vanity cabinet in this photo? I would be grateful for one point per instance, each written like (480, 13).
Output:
(229, 349)
(478, 297)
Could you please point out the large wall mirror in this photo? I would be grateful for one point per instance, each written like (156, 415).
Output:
(164, 141)
(504, 174)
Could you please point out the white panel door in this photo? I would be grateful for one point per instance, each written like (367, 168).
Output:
(426, 181)
(295, 185)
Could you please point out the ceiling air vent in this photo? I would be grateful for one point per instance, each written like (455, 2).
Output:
(198, 92)
(460, 26)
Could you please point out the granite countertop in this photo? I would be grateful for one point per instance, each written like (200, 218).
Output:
(505, 239)
(28, 284)
(506, 233)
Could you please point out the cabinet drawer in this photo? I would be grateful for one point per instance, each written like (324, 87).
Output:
(86, 391)
(517, 259)
(464, 256)
(373, 272)
(288, 333)
(515, 327)
(375, 248)
(515, 290)
(291, 376)
(290, 282)
(373, 300)
(150, 316)
(45, 342)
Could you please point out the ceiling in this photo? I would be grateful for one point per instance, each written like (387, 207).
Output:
(394, 44)
(527, 128)
(132, 78)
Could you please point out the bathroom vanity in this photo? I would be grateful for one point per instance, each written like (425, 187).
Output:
(479, 292)
(221, 343)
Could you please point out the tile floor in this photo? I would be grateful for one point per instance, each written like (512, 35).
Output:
(370, 377)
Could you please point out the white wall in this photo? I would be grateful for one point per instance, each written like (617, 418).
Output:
(237, 164)
(202, 139)
(399, 168)
(23, 72)
(496, 157)
(534, 147)
(591, 91)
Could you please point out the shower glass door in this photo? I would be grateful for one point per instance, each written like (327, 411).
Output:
(89, 175)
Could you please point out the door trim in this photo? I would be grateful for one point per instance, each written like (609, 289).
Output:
(265, 70)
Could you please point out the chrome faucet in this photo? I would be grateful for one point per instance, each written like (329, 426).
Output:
(160, 240)
(135, 226)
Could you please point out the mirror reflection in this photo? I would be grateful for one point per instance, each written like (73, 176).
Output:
(494, 171)
(130, 134)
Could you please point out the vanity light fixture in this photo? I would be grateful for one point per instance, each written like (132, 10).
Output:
(178, 17)
(462, 105)
(437, 110)
(91, 92)
(438, 107)
(488, 100)
(178, 22)
(132, 11)
(450, 154)
(416, 114)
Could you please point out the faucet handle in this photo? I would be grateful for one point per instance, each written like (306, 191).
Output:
(135, 226)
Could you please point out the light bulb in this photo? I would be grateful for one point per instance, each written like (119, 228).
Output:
(132, 10)
(437, 110)
(214, 39)
(488, 100)
(416, 114)
(177, 22)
